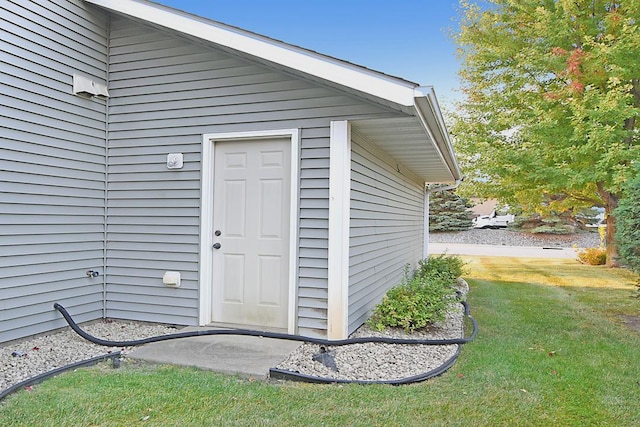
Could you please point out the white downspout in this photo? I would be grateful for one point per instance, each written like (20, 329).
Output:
(427, 193)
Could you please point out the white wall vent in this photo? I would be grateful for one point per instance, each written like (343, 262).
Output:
(171, 279)
(83, 86)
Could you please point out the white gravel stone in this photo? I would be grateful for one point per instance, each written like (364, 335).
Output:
(379, 361)
(371, 361)
(506, 237)
(46, 352)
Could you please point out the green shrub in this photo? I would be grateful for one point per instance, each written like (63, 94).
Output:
(450, 266)
(593, 256)
(537, 224)
(628, 224)
(422, 299)
(552, 229)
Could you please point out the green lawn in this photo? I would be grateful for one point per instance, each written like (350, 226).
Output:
(552, 351)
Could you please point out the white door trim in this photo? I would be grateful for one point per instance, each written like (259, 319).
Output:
(206, 217)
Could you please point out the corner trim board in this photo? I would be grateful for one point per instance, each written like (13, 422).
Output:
(339, 215)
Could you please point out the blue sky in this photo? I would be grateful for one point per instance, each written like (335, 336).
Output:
(404, 38)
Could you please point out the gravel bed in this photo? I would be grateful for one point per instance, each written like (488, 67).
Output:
(26, 358)
(505, 237)
(379, 361)
(23, 359)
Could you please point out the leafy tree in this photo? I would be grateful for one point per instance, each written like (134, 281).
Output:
(628, 230)
(550, 116)
(448, 212)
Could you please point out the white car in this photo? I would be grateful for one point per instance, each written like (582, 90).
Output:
(492, 221)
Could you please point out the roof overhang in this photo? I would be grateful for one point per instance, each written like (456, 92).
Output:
(418, 141)
(421, 136)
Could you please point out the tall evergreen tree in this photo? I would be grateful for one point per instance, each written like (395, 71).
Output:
(448, 212)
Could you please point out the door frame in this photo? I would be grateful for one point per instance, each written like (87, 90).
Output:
(206, 217)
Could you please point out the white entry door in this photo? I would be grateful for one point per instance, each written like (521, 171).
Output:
(251, 207)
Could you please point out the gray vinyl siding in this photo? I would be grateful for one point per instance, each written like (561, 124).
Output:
(386, 227)
(84, 183)
(52, 165)
(166, 92)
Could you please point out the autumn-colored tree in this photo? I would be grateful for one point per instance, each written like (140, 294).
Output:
(552, 95)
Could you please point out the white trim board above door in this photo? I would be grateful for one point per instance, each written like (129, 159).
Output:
(210, 306)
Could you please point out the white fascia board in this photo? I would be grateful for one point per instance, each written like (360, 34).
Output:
(428, 93)
(349, 75)
(426, 103)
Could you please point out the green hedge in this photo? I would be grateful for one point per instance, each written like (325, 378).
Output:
(422, 299)
(628, 224)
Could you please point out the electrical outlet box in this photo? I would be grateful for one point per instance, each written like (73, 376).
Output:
(175, 160)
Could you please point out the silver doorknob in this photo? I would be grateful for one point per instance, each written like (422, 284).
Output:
(217, 246)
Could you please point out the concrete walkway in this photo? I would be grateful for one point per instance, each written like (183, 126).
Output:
(501, 251)
(229, 354)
